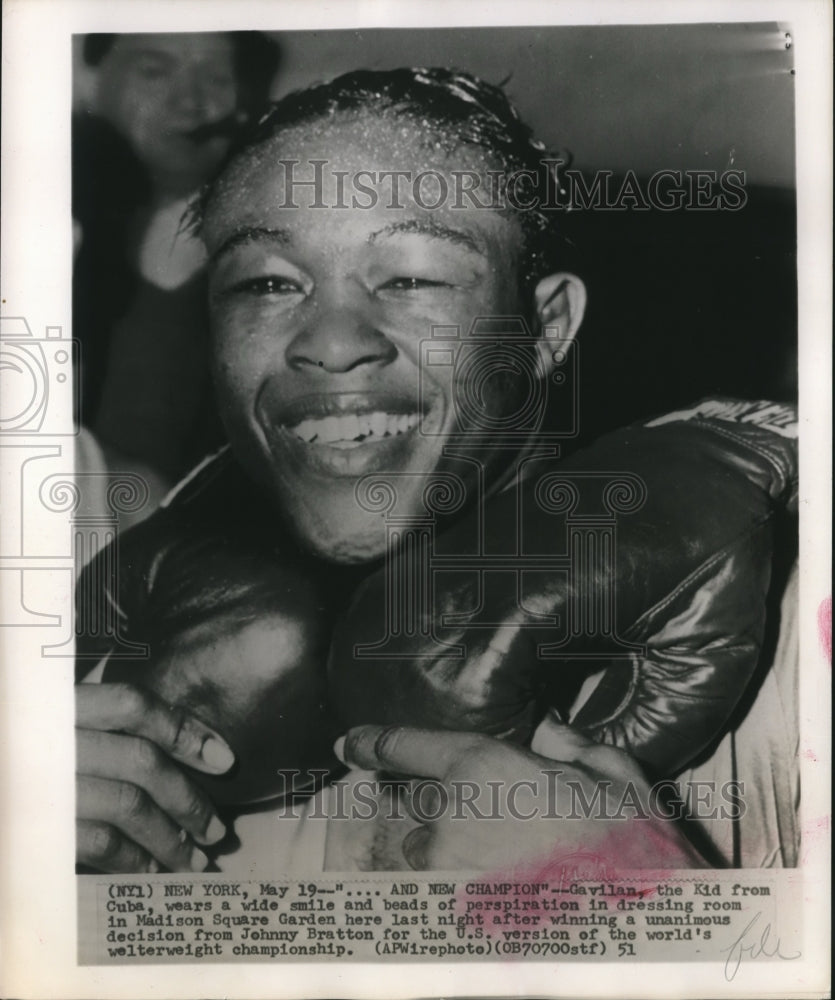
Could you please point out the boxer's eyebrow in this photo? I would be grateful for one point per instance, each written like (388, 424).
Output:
(255, 234)
(435, 230)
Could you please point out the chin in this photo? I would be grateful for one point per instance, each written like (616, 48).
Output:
(332, 537)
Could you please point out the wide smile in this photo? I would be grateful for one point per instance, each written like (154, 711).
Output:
(344, 434)
(353, 430)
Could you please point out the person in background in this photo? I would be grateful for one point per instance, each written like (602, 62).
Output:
(164, 113)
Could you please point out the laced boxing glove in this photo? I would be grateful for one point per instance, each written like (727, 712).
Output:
(236, 622)
(669, 629)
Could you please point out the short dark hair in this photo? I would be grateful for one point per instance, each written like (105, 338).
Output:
(455, 105)
(255, 57)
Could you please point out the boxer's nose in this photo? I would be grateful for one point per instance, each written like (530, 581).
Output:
(340, 336)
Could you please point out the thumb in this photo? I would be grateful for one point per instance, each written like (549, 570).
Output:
(428, 753)
(558, 741)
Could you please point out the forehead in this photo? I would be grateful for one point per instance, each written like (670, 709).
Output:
(348, 155)
(180, 47)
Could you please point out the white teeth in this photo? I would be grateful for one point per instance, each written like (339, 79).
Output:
(330, 430)
(306, 430)
(351, 429)
(379, 423)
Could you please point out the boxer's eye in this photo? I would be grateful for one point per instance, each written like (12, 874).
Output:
(266, 286)
(403, 284)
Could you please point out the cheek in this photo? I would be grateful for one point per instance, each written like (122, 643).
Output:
(138, 111)
(437, 391)
(223, 99)
(508, 300)
(240, 333)
(239, 366)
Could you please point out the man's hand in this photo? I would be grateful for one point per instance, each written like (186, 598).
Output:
(502, 828)
(136, 809)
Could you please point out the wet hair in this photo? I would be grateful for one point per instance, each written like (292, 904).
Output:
(255, 58)
(450, 106)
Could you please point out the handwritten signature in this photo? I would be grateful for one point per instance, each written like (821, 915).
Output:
(762, 946)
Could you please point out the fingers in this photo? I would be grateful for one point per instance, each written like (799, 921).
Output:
(425, 752)
(137, 810)
(128, 709)
(422, 752)
(132, 815)
(140, 762)
(102, 847)
(558, 741)
(616, 764)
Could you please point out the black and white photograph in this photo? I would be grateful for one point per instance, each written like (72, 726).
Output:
(410, 562)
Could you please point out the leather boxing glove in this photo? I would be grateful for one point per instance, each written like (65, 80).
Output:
(652, 594)
(236, 623)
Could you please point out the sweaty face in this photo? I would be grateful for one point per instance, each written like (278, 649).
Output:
(319, 313)
(166, 94)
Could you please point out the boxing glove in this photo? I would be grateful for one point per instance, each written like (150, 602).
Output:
(235, 621)
(638, 569)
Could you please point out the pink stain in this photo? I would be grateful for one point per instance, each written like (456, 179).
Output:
(557, 876)
(822, 824)
(814, 831)
(825, 627)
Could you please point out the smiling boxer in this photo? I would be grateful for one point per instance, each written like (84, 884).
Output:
(319, 311)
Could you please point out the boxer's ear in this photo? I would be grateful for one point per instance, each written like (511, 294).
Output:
(560, 303)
